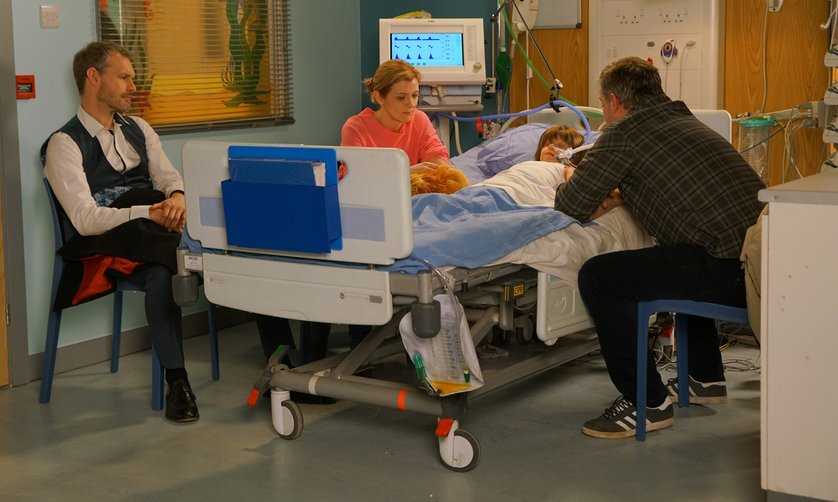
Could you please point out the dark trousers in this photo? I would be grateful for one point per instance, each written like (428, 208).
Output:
(276, 331)
(162, 313)
(612, 284)
(314, 336)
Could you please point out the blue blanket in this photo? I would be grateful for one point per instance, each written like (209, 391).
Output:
(473, 227)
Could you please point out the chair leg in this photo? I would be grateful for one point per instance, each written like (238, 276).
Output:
(117, 330)
(213, 334)
(682, 360)
(156, 381)
(642, 360)
(50, 350)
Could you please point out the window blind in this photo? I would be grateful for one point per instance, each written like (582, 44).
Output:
(203, 64)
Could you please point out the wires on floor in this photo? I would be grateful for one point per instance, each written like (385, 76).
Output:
(729, 337)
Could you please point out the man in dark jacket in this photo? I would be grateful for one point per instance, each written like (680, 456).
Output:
(696, 196)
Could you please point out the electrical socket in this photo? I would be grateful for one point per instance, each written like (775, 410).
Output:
(50, 16)
(491, 85)
(818, 114)
(821, 113)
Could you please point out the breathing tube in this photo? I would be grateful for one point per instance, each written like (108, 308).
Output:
(551, 104)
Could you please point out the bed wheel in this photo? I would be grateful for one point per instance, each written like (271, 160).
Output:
(293, 419)
(524, 331)
(286, 415)
(500, 337)
(460, 451)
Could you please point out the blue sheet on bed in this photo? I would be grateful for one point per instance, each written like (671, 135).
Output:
(473, 227)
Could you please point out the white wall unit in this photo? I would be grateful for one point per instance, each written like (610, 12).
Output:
(621, 28)
(799, 407)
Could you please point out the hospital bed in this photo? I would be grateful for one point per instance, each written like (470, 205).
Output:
(357, 284)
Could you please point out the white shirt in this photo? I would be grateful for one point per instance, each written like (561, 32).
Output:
(65, 173)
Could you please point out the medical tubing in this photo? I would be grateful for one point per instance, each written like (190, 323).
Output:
(535, 43)
(457, 136)
(514, 40)
(445, 284)
(525, 113)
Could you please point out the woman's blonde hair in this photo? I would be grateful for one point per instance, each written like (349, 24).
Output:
(570, 136)
(389, 73)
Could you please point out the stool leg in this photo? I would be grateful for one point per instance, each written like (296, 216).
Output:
(682, 360)
(117, 330)
(642, 355)
(50, 350)
(213, 334)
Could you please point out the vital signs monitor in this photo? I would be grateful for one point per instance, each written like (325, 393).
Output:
(445, 51)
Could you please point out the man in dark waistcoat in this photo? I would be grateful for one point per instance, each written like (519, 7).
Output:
(109, 174)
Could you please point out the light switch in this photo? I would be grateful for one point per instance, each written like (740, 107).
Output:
(49, 16)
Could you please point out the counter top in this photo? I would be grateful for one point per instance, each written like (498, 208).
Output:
(821, 188)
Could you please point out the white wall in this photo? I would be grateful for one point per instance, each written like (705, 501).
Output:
(326, 90)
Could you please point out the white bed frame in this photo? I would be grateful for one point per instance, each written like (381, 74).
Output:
(377, 230)
(319, 290)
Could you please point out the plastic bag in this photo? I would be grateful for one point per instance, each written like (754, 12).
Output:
(447, 363)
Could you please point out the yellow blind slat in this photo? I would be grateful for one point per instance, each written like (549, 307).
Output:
(188, 72)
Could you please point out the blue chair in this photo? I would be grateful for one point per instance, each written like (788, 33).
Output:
(690, 307)
(62, 230)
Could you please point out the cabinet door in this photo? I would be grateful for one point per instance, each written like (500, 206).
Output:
(799, 347)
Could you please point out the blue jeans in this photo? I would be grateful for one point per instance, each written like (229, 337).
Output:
(611, 285)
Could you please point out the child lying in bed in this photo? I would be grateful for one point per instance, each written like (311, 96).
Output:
(544, 178)
(534, 182)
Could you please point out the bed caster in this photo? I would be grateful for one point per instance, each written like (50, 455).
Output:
(524, 330)
(459, 449)
(286, 415)
(501, 337)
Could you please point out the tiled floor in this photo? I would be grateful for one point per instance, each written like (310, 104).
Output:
(99, 440)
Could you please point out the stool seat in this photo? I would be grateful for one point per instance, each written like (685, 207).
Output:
(689, 307)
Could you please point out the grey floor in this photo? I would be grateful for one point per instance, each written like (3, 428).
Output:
(99, 440)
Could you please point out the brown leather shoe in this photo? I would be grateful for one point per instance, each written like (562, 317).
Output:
(180, 403)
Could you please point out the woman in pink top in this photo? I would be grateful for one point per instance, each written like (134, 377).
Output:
(397, 123)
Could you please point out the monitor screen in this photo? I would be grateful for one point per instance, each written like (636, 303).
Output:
(445, 51)
(428, 49)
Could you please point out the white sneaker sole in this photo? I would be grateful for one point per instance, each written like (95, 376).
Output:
(650, 426)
